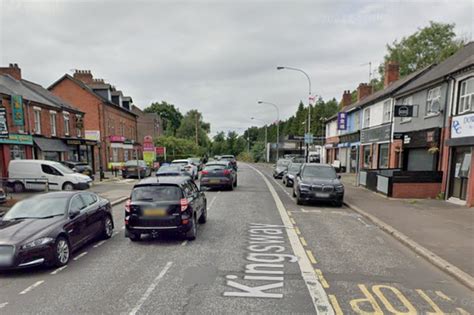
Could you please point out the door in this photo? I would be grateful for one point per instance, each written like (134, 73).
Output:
(460, 169)
(198, 196)
(94, 212)
(77, 226)
(53, 176)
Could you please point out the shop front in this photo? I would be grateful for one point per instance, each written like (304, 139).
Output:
(49, 149)
(81, 150)
(348, 151)
(461, 145)
(375, 147)
(420, 150)
(14, 147)
(332, 150)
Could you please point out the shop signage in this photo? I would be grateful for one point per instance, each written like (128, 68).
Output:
(376, 134)
(80, 142)
(351, 137)
(308, 138)
(73, 142)
(421, 138)
(116, 138)
(3, 123)
(17, 110)
(147, 139)
(92, 135)
(403, 111)
(17, 139)
(462, 126)
(160, 151)
(341, 121)
(398, 135)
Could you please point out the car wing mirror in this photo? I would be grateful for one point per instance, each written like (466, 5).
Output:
(338, 176)
(74, 213)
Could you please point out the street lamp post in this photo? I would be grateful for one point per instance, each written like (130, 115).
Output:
(309, 102)
(278, 125)
(266, 139)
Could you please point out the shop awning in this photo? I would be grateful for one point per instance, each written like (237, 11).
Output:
(50, 145)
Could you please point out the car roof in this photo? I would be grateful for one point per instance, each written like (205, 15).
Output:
(34, 161)
(318, 165)
(180, 160)
(218, 163)
(172, 180)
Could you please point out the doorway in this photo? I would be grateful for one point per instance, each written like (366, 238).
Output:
(460, 168)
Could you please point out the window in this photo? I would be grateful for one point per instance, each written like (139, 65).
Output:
(433, 101)
(383, 155)
(17, 152)
(406, 101)
(466, 99)
(89, 198)
(387, 110)
(367, 156)
(52, 123)
(114, 154)
(37, 118)
(66, 124)
(50, 170)
(367, 117)
(78, 125)
(356, 121)
(125, 155)
(77, 204)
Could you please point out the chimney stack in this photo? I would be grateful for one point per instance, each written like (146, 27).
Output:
(392, 73)
(13, 70)
(84, 75)
(363, 90)
(346, 98)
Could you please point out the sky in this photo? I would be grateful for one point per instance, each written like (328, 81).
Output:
(217, 56)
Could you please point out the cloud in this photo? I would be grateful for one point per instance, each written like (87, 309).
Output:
(217, 56)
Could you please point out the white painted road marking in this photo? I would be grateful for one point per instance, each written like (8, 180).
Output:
(184, 243)
(31, 287)
(150, 288)
(115, 233)
(2, 305)
(99, 244)
(58, 270)
(318, 295)
(212, 202)
(80, 256)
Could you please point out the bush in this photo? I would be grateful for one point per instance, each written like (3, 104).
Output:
(245, 157)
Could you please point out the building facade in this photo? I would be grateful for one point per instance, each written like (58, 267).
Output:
(148, 124)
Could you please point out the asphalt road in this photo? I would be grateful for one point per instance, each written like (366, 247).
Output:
(258, 253)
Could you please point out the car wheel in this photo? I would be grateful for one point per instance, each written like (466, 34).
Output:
(62, 252)
(231, 187)
(338, 203)
(134, 237)
(68, 186)
(191, 234)
(203, 217)
(235, 184)
(18, 187)
(299, 201)
(108, 228)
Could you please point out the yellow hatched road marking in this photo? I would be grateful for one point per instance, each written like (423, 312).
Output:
(436, 309)
(323, 281)
(444, 296)
(293, 221)
(462, 311)
(297, 231)
(335, 305)
(303, 241)
(311, 256)
(289, 213)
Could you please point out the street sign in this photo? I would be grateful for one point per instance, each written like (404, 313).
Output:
(403, 111)
(308, 138)
(341, 121)
(3, 123)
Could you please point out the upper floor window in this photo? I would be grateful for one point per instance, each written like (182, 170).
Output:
(387, 110)
(357, 121)
(37, 119)
(78, 125)
(406, 101)
(367, 117)
(466, 97)
(66, 124)
(52, 123)
(433, 101)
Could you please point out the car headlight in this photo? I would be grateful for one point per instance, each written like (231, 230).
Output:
(304, 187)
(38, 242)
(339, 188)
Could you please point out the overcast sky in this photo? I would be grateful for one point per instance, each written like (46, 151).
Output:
(217, 56)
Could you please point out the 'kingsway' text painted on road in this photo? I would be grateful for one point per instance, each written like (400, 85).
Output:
(266, 263)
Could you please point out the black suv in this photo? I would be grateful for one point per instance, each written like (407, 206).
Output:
(318, 182)
(163, 204)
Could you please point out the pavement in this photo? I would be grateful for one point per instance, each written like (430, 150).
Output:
(258, 253)
(443, 228)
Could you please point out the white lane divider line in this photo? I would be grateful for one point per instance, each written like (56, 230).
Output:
(80, 256)
(31, 287)
(363, 222)
(2, 305)
(99, 244)
(115, 233)
(151, 288)
(211, 203)
(123, 227)
(184, 243)
(58, 270)
(319, 297)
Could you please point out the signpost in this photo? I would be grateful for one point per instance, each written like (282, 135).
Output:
(308, 138)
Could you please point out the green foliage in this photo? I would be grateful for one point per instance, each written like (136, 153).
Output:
(178, 148)
(431, 44)
(170, 115)
(187, 128)
(258, 152)
(245, 157)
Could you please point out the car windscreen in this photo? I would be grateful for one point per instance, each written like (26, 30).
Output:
(179, 163)
(157, 193)
(171, 168)
(283, 162)
(213, 167)
(319, 172)
(227, 157)
(294, 167)
(38, 207)
(135, 163)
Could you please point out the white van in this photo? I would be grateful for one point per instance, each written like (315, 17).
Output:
(33, 174)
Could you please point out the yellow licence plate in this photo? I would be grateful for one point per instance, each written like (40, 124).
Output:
(214, 181)
(154, 212)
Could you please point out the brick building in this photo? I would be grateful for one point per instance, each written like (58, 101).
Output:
(38, 123)
(148, 124)
(109, 118)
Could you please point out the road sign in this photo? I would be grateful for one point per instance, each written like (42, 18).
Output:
(308, 138)
(403, 111)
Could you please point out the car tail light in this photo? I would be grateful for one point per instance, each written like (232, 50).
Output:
(127, 205)
(226, 172)
(204, 172)
(184, 204)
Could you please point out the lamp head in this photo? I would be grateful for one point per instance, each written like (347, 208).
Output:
(259, 102)
(280, 68)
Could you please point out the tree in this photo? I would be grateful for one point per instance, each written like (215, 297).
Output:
(192, 124)
(431, 44)
(219, 144)
(177, 148)
(170, 115)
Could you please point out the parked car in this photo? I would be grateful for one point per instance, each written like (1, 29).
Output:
(197, 162)
(231, 159)
(47, 228)
(169, 204)
(79, 167)
(35, 174)
(289, 177)
(218, 174)
(280, 168)
(318, 182)
(133, 168)
(187, 166)
(171, 170)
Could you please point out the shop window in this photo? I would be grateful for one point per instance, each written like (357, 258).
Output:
(433, 101)
(466, 98)
(52, 123)
(383, 155)
(17, 152)
(125, 155)
(421, 160)
(37, 120)
(367, 156)
(114, 154)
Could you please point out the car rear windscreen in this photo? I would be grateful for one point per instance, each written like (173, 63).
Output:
(157, 193)
(214, 167)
